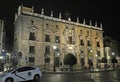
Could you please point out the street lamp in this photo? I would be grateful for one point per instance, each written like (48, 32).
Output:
(113, 53)
(90, 58)
(1, 57)
(54, 47)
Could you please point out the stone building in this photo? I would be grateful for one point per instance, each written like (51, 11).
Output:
(44, 40)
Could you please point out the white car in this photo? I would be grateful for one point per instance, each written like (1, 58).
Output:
(24, 73)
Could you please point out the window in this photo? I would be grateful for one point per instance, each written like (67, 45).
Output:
(82, 51)
(57, 51)
(32, 36)
(57, 40)
(29, 68)
(32, 22)
(47, 25)
(89, 43)
(32, 49)
(96, 33)
(47, 38)
(98, 53)
(47, 53)
(56, 26)
(21, 69)
(73, 29)
(31, 59)
(88, 33)
(80, 32)
(47, 50)
(67, 28)
(81, 43)
(70, 39)
(47, 60)
(98, 44)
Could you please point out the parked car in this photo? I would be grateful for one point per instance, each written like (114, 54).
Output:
(24, 73)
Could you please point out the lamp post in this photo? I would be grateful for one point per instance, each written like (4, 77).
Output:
(90, 57)
(54, 47)
(19, 57)
(1, 62)
(1, 59)
(8, 57)
(4, 55)
(90, 61)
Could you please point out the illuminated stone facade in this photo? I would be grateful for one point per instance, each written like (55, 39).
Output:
(36, 34)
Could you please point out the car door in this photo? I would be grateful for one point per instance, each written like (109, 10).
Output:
(29, 73)
(20, 74)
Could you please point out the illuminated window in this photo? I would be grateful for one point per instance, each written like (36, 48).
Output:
(98, 53)
(57, 39)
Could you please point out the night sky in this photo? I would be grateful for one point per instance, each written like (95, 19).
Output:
(101, 11)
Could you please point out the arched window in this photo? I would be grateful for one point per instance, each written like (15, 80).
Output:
(98, 44)
(81, 42)
(89, 43)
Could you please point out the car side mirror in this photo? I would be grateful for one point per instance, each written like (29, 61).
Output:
(16, 72)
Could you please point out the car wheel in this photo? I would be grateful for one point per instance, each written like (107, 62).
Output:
(9, 80)
(36, 77)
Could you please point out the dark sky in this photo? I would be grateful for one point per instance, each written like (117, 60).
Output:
(105, 11)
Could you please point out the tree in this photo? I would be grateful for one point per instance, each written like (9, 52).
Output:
(70, 60)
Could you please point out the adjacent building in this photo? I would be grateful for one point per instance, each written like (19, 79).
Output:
(111, 48)
(2, 33)
(43, 41)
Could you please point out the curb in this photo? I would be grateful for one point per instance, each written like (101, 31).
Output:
(75, 72)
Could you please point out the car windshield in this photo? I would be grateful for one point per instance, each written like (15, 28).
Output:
(11, 69)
